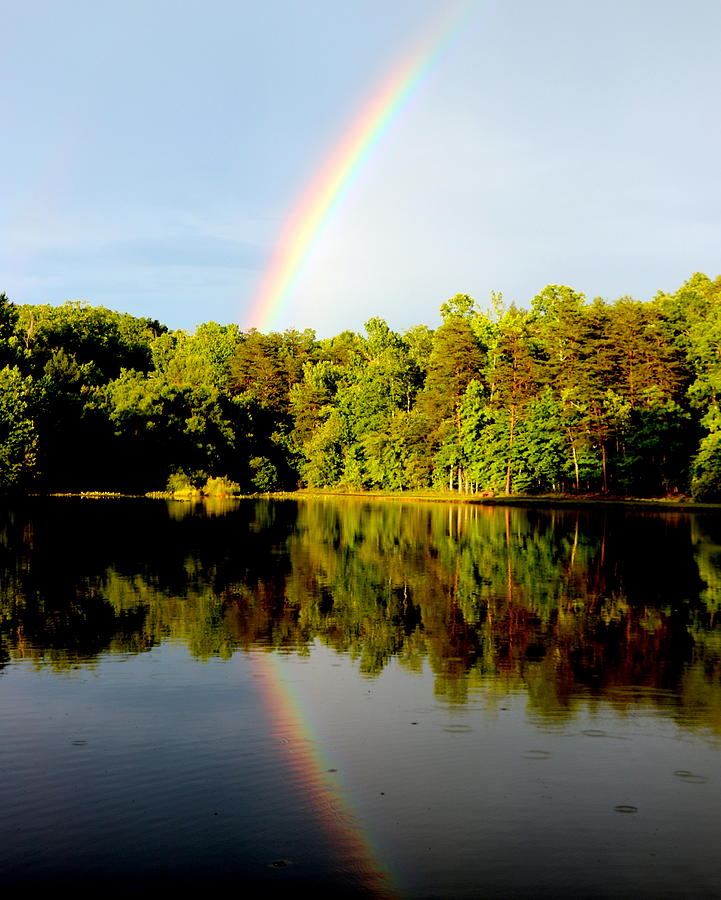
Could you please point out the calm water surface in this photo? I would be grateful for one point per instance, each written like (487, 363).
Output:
(381, 700)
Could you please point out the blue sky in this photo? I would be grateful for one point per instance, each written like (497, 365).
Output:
(151, 151)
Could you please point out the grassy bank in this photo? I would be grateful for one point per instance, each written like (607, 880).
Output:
(544, 500)
(421, 496)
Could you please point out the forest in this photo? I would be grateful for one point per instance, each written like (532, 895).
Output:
(567, 396)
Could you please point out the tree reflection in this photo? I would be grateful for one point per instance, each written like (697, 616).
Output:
(562, 604)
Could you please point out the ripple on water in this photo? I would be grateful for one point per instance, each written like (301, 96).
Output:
(536, 754)
(625, 808)
(690, 777)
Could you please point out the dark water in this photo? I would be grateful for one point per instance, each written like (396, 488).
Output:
(360, 699)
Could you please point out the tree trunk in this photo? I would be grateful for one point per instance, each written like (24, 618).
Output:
(510, 447)
(575, 467)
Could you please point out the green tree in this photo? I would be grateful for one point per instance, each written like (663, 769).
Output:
(8, 331)
(457, 358)
(102, 340)
(18, 435)
(513, 381)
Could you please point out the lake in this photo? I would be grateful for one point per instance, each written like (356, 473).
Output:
(371, 699)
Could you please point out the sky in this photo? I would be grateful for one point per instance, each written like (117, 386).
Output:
(153, 153)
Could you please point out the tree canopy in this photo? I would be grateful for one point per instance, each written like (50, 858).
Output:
(567, 395)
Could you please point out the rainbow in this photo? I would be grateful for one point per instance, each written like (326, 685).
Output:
(306, 764)
(325, 193)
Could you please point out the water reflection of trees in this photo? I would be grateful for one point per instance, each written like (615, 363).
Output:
(561, 604)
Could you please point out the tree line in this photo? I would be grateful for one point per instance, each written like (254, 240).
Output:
(568, 395)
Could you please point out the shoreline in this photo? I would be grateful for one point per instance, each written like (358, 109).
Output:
(548, 501)
(541, 500)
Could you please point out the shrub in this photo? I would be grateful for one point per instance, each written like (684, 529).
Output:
(220, 487)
